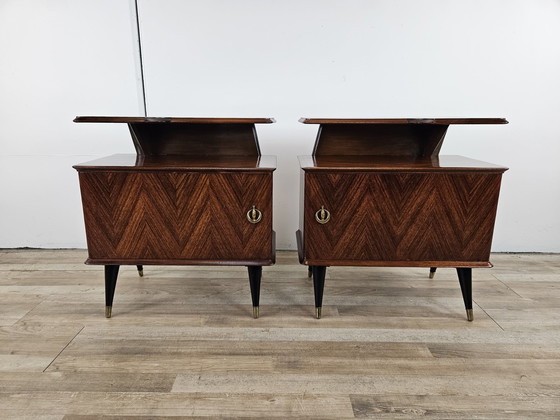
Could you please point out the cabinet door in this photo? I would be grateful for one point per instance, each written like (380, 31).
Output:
(405, 217)
(177, 215)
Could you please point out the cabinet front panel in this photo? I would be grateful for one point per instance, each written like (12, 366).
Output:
(400, 217)
(177, 215)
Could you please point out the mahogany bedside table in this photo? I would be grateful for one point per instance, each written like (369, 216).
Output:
(376, 193)
(198, 192)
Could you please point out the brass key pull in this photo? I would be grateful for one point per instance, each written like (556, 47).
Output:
(254, 215)
(323, 215)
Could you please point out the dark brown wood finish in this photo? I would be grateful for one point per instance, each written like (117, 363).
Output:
(130, 162)
(375, 192)
(422, 121)
(177, 120)
(190, 136)
(400, 217)
(447, 163)
(381, 137)
(176, 217)
(198, 192)
(378, 140)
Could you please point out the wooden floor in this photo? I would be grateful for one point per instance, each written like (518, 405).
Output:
(392, 343)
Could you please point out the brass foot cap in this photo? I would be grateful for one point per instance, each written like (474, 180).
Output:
(108, 310)
(141, 273)
(432, 274)
(255, 312)
(470, 316)
(318, 312)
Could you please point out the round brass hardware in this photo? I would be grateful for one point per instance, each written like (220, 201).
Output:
(323, 215)
(254, 215)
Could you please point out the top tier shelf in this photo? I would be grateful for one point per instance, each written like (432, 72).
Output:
(154, 136)
(412, 137)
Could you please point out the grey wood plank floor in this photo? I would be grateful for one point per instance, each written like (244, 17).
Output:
(182, 343)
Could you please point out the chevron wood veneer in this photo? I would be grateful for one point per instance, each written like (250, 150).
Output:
(176, 217)
(375, 192)
(405, 218)
(197, 192)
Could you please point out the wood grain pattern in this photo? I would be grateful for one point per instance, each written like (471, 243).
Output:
(224, 139)
(179, 120)
(445, 163)
(153, 136)
(176, 217)
(379, 140)
(128, 162)
(394, 344)
(416, 137)
(412, 121)
(375, 194)
(403, 217)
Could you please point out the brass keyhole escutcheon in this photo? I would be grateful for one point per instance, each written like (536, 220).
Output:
(323, 215)
(254, 215)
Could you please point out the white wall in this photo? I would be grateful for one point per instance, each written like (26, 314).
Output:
(384, 58)
(285, 59)
(58, 59)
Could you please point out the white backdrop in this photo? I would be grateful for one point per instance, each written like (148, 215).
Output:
(286, 59)
(58, 59)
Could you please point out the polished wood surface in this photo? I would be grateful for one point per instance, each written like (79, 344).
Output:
(445, 163)
(156, 139)
(190, 136)
(375, 192)
(385, 137)
(379, 140)
(181, 120)
(127, 162)
(392, 343)
(400, 217)
(198, 192)
(422, 121)
(176, 217)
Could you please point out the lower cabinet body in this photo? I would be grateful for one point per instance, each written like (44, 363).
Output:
(431, 219)
(178, 218)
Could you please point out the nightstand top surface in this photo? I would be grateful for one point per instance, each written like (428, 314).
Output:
(190, 136)
(449, 163)
(174, 120)
(428, 121)
(125, 162)
(412, 137)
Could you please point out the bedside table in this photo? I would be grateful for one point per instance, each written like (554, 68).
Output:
(197, 192)
(375, 192)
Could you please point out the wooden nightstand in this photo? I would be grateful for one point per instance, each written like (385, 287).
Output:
(376, 193)
(198, 192)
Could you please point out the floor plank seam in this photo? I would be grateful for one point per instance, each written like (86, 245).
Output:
(28, 312)
(488, 315)
(64, 348)
(183, 344)
(509, 288)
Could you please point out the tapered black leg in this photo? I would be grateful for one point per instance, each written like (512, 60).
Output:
(465, 280)
(432, 272)
(309, 272)
(111, 274)
(255, 274)
(319, 272)
(140, 270)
